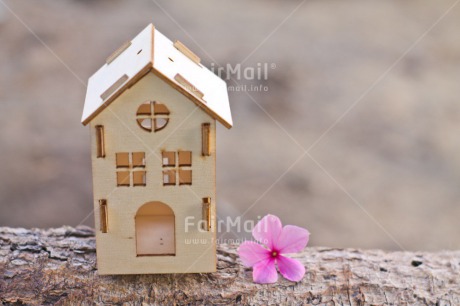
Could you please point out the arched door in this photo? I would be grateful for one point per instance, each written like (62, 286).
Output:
(155, 230)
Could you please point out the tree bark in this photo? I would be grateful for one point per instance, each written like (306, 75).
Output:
(58, 266)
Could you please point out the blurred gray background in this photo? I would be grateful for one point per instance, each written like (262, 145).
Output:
(369, 88)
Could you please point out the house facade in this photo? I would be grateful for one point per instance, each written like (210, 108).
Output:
(152, 110)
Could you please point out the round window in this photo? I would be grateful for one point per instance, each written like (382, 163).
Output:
(152, 116)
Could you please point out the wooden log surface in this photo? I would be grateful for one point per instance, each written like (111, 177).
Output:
(58, 266)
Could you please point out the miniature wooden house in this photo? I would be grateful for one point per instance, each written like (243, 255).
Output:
(152, 109)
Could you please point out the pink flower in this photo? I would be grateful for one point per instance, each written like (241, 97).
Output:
(278, 241)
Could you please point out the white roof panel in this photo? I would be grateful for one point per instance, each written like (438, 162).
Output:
(129, 62)
(169, 61)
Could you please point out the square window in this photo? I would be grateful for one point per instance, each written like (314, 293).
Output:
(123, 178)
(185, 158)
(169, 159)
(122, 160)
(169, 177)
(185, 177)
(138, 159)
(139, 178)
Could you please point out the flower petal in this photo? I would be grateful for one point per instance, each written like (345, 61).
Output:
(264, 272)
(267, 230)
(290, 268)
(251, 253)
(292, 239)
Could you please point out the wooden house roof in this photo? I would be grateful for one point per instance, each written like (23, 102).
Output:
(173, 62)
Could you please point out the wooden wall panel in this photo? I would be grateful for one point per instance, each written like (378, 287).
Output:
(195, 248)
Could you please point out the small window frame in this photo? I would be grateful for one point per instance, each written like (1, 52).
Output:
(152, 116)
(123, 178)
(171, 177)
(168, 158)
